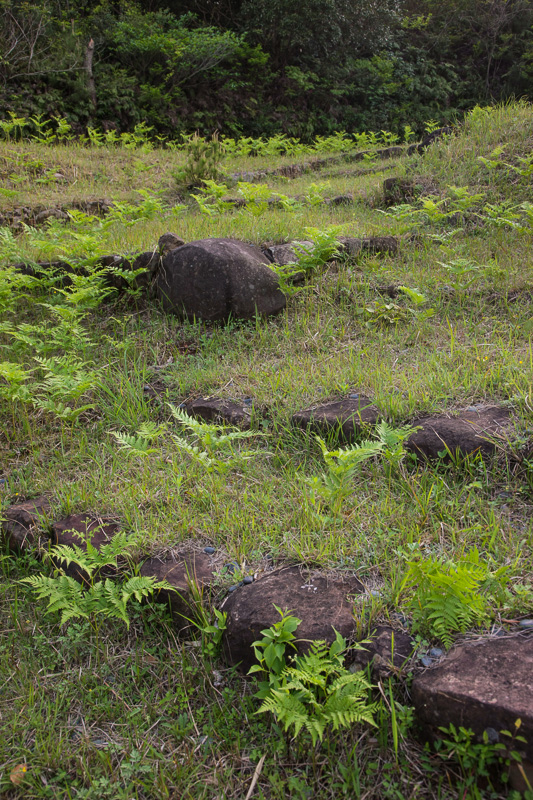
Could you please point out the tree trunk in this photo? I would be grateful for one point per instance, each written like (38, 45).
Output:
(88, 67)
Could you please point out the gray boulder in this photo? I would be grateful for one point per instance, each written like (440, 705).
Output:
(215, 279)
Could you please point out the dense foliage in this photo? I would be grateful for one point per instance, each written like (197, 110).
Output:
(261, 66)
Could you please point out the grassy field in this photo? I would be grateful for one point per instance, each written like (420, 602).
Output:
(147, 715)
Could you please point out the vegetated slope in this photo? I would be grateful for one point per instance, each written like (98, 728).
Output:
(440, 325)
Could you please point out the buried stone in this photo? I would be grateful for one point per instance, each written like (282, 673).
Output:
(469, 432)
(189, 574)
(20, 528)
(346, 417)
(218, 279)
(321, 603)
(77, 530)
(386, 650)
(483, 685)
(214, 409)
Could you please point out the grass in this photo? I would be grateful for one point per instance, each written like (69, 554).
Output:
(157, 718)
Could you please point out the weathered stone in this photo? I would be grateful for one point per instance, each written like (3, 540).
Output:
(284, 254)
(370, 244)
(49, 213)
(168, 242)
(434, 136)
(214, 409)
(321, 603)
(480, 685)
(149, 261)
(468, 432)
(112, 278)
(339, 200)
(387, 651)
(347, 417)
(400, 190)
(77, 529)
(20, 528)
(190, 574)
(215, 279)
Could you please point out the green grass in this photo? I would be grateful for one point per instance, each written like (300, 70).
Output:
(155, 720)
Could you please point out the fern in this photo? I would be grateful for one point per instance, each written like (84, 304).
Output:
(448, 597)
(96, 597)
(212, 440)
(139, 445)
(317, 691)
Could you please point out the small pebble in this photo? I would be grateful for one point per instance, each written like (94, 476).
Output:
(3, 483)
(209, 550)
(492, 735)
(353, 396)
(375, 593)
(248, 401)
(231, 567)
(248, 579)
(426, 661)
(270, 557)
(436, 652)
(526, 623)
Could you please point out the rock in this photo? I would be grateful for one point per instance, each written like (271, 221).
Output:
(526, 624)
(20, 528)
(480, 685)
(321, 603)
(466, 433)
(339, 200)
(168, 242)
(347, 417)
(214, 409)
(370, 244)
(283, 254)
(50, 213)
(380, 244)
(215, 279)
(99, 531)
(434, 136)
(149, 261)
(387, 651)
(190, 574)
(209, 550)
(400, 190)
(248, 579)
(113, 262)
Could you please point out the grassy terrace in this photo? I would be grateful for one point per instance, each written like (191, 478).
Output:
(147, 715)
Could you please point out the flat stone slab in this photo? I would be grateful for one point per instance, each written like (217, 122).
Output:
(190, 574)
(98, 530)
(214, 409)
(347, 417)
(466, 433)
(321, 602)
(480, 685)
(20, 529)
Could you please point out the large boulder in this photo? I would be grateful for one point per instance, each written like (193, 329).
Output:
(215, 279)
